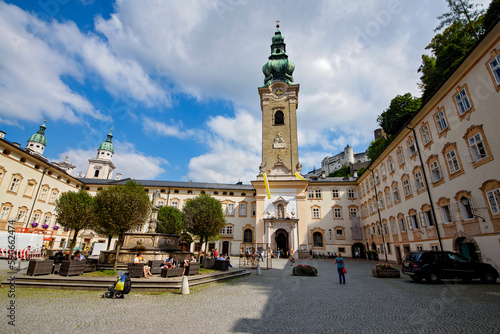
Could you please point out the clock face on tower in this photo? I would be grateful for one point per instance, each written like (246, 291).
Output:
(278, 91)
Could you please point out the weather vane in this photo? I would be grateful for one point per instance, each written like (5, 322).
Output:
(278, 24)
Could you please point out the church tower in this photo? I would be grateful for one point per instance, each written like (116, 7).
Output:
(280, 190)
(38, 142)
(279, 102)
(101, 167)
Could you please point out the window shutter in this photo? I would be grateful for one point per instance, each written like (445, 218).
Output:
(408, 223)
(423, 222)
(455, 212)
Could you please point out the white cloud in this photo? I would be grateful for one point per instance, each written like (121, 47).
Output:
(31, 72)
(36, 58)
(151, 126)
(351, 60)
(128, 161)
(224, 164)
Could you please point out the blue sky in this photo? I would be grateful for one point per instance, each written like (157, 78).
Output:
(177, 80)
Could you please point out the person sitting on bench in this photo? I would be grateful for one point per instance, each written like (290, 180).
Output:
(147, 270)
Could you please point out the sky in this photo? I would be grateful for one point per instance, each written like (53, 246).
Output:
(177, 81)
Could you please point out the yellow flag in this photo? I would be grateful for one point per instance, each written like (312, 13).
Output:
(267, 186)
(300, 177)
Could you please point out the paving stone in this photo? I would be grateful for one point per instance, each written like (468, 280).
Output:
(274, 302)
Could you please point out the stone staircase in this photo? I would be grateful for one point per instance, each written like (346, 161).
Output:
(153, 284)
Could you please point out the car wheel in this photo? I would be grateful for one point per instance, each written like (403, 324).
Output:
(433, 277)
(489, 278)
(416, 278)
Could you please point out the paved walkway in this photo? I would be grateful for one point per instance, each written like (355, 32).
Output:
(274, 302)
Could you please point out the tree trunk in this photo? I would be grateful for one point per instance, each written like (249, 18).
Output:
(199, 252)
(119, 244)
(73, 242)
(109, 241)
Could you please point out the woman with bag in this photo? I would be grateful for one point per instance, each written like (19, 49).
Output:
(341, 268)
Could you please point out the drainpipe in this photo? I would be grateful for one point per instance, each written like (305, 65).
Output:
(379, 215)
(36, 196)
(427, 187)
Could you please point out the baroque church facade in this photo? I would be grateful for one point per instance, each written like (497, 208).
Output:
(436, 186)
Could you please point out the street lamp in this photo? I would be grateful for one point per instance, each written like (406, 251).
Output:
(466, 203)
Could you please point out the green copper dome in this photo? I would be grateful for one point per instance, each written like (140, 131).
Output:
(39, 137)
(278, 68)
(107, 145)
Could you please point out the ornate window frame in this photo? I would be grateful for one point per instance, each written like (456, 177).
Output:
(408, 191)
(240, 207)
(438, 121)
(491, 195)
(19, 177)
(418, 176)
(316, 208)
(432, 161)
(339, 207)
(464, 98)
(426, 141)
(3, 212)
(447, 150)
(471, 132)
(495, 77)
(342, 230)
(323, 241)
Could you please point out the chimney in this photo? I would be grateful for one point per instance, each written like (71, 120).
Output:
(323, 174)
(16, 144)
(118, 176)
(355, 174)
(2, 135)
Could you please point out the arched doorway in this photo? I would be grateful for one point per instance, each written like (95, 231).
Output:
(361, 250)
(281, 239)
(225, 248)
(467, 249)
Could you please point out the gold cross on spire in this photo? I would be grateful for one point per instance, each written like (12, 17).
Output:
(277, 24)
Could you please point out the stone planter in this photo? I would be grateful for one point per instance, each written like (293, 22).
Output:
(386, 273)
(305, 271)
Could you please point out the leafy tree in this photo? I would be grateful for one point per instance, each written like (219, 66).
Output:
(402, 107)
(170, 220)
(74, 211)
(492, 14)
(361, 171)
(376, 147)
(463, 12)
(343, 172)
(204, 217)
(450, 47)
(120, 208)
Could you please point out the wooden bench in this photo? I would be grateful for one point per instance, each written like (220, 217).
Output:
(154, 266)
(221, 265)
(136, 270)
(70, 268)
(208, 263)
(193, 268)
(90, 265)
(171, 272)
(40, 267)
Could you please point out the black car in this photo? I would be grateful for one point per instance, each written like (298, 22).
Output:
(437, 265)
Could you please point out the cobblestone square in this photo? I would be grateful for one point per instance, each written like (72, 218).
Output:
(275, 302)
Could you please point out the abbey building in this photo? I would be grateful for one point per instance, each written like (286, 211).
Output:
(436, 186)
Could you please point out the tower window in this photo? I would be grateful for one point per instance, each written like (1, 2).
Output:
(96, 174)
(279, 118)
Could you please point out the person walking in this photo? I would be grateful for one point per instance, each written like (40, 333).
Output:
(340, 268)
